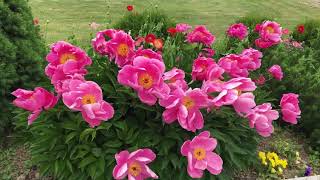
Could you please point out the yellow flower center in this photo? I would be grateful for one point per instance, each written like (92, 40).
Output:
(123, 49)
(88, 99)
(199, 154)
(67, 56)
(135, 169)
(145, 80)
(270, 29)
(188, 102)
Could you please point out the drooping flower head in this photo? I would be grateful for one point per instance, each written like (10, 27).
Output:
(200, 67)
(134, 165)
(34, 101)
(200, 34)
(261, 119)
(86, 96)
(121, 48)
(149, 53)
(145, 76)
(184, 106)
(183, 27)
(239, 31)
(175, 79)
(276, 72)
(232, 65)
(251, 59)
(290, 108)
(99, 43)
(199, 152)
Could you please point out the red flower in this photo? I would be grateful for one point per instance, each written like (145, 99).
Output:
(158, 43)
(150, 38)
(36, 21)
(129, 7)
(172, 31)
(300, 28)
(257, 28)
(285, 31)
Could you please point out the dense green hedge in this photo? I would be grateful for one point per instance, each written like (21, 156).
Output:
(21, 54)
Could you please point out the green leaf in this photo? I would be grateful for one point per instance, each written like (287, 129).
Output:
(86, 161)
(85, 133)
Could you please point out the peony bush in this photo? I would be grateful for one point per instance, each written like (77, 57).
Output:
(152, 107)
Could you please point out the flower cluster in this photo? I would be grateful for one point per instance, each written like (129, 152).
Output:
(224, 82)
(274, 163)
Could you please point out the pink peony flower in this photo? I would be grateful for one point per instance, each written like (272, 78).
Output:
(261, 80)
(121, 48)
(229, 91)
(263, 43)
(99, 43)
(207, 52)
(244, 103)
(276, 72)
(297, 44)
(231, 65)
(139, 41)
(34, 101)
(290, 108)
(66, 57)
(184, 106)
(201, 35)
(200, 155)
(149, 53)
(251, 59)
(285, 31)
(257, 28)
(87, 98)
(134, 165)
(183, 27)
(261, 118)
(271, 31)
(239, 31)
(175, 79)
(145, 76)
(200, 67)
(214, 72)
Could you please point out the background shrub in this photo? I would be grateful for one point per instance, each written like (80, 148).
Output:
(141, 24)
(22, 52)
(310, 34)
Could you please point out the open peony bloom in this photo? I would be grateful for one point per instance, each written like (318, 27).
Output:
(121, 48)
(134, 165)
(228, 92)
(200, 34)
(145, 76)
(86, 96)
(252, 60)
(261, 118)
(200, 67)
(185, 106)
(65, 60)
(214, 72)
(34, 101)
(270, 34)
(99, 43)
(231, 64)
(290, 108)
(149, 53)
(200, 155)
(239, 31)
(175, 79)
(276, 72)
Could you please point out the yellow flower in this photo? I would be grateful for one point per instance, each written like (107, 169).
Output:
(273, 171)
(284, 163)
(262, 156)
(273, 163)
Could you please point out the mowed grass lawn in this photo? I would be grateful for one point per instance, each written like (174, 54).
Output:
(68, 17)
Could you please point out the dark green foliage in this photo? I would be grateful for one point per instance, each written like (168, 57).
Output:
(310, 34)
(21, 55)
(141, 24)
